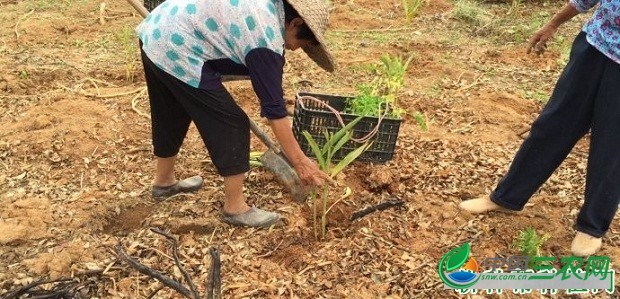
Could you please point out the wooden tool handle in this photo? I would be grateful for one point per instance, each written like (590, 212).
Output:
(264, 137)
(139, 7)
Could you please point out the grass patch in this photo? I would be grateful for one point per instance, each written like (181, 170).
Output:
(564, 47)
(520, 31)
(471, 12)
(536, 95)
(43, 5)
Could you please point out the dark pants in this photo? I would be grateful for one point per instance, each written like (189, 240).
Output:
(222, 124)
(586, 97)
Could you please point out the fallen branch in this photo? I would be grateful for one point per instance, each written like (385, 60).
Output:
(134, 104)
(103, 96)
(175, 255)
(271, 251)
(169, 282)
(362, 30)
(380, 207)
(102, 13)
(19, 20)
(65, 288)
(154, 292)
(523, 134)
(18, 292)
(214, 282)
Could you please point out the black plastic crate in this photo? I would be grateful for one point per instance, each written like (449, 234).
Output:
(151, 4)
(315, 118)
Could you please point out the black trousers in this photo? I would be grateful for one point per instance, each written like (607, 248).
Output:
(586, 97)
(223, 125)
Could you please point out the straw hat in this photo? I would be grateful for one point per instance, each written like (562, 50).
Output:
(316, 15)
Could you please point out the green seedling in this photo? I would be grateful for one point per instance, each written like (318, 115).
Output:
(23, 74)
(529, 243)
(421, 120)
(324, 155)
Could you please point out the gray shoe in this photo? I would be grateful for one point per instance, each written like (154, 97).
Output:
(255, 217)
(183, 186)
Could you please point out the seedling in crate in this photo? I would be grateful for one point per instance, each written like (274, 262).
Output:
(380, 94)
(324, 156)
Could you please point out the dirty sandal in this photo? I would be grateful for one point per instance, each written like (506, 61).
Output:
(183, 186)
(255, 217)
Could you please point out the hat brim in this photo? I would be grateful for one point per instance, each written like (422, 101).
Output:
(318, 53)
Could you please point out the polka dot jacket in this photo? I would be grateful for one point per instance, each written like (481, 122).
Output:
(198, 41)
(603, 29)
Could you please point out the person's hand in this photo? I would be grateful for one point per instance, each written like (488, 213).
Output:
(309, 172)
(538, 42)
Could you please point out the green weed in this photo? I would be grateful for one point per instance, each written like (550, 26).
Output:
(411, 8)
(126, 38)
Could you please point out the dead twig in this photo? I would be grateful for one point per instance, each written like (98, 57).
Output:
(64, 288)
(103, 96)
(102, 13)
(154, 292)
(19, 20)
(175, 255)
(94, 82)
(214, 280)
(380, 207)
(376, 30)
(23, 290)
(523, 134)
(134, 104)
(271, 251)
(169, 282)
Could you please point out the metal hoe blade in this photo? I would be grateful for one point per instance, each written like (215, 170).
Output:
(285, 174)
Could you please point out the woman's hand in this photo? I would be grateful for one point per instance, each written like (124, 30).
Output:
(309, 172)
(538, 42)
